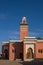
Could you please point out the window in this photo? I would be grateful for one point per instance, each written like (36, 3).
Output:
(40, 51)
(14, 51)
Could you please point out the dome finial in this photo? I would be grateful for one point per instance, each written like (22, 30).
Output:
(23, 19)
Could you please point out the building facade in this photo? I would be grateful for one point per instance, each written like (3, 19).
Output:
(25, 48)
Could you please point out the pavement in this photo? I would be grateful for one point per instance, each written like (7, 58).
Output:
(10, 62)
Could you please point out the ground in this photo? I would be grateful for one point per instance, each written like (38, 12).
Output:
(10, 62)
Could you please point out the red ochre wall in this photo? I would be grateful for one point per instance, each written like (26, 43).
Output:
(23, 31)
(11, 54)
(38, 45)
(17, 47)
(24, 51)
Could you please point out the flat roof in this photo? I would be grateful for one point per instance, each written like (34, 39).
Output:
(15, 41)
(5, 42)
(30, 37)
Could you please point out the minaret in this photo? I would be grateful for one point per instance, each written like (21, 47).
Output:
(23, 29)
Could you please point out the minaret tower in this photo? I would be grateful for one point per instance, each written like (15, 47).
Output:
(23, 29)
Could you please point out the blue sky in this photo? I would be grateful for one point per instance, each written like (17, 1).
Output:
(11, 13)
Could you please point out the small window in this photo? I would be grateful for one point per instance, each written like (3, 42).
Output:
(14, 51)
(40, 51)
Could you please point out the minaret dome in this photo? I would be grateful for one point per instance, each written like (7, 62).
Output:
(24, 20)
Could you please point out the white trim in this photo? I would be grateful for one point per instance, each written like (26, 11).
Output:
(30, 37)
(29, 46)
(29, 42)
(5, 42)
(15, 41)
(39, 40)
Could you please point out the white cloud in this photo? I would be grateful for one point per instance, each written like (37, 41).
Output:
(36, 34)
(33, 33)
(14, 35)
(40, 30)
(15, 32)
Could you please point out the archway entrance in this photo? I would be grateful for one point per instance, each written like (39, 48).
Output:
(30, 53)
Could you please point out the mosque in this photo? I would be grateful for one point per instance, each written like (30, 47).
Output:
(25, 48)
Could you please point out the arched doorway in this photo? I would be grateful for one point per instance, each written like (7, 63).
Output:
(30, 54)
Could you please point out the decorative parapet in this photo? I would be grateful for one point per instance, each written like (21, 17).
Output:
(30, 40)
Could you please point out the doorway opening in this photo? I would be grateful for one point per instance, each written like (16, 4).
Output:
(21, 56)
(6, 53)
(30, 54)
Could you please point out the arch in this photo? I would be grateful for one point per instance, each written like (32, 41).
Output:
(30, 54)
